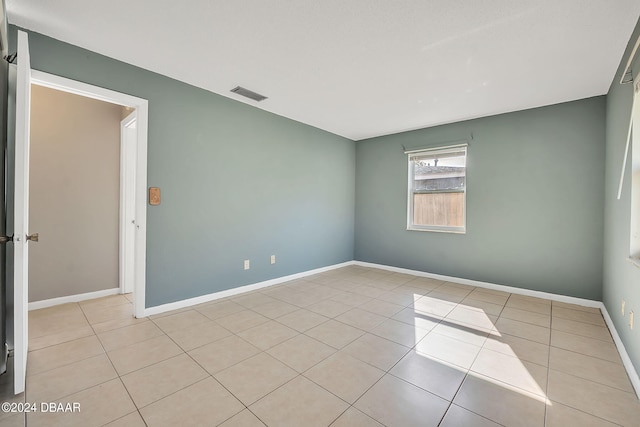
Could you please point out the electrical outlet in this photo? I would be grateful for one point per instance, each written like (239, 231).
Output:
(247, 264)
(631, 320)
(273, 259)
(622, 309)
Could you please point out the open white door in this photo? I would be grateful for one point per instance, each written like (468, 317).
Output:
(21, 215)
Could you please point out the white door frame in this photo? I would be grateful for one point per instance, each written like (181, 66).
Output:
(142, 109)
(127, 223)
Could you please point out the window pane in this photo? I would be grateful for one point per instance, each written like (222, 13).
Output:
(435, 173)
(438, 182)
(442, 209)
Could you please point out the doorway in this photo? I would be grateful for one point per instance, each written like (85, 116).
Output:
(131, 252)
(74, 196)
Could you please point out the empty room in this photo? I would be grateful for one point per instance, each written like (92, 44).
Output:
(356, 213)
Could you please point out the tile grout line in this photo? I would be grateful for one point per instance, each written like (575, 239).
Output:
(587, 355)
(466, 375)
(547, 399)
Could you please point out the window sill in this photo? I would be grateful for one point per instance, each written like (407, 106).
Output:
(634, 261)
(436, 230)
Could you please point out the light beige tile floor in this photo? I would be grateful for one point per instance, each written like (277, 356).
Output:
(350, 347)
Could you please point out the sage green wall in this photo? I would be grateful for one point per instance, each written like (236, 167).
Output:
(237, 182)
(534, 201)
(621, 278)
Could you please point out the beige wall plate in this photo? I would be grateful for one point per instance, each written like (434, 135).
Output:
(154, 196)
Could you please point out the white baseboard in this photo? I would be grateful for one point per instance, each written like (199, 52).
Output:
(513, 290)
(626, 360)
(72, 298)
(235, 291)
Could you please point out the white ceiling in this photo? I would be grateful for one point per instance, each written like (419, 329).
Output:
(359, 68)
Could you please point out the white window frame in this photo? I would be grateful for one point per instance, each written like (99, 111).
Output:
(410, 190)
(634, 129)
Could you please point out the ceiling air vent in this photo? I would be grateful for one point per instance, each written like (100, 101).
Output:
(249, 94)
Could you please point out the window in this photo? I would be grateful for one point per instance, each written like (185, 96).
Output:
(437, 189)
(633, 150)
(634, 250)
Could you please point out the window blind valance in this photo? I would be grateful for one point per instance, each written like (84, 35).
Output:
(440, 153)
(442, 145)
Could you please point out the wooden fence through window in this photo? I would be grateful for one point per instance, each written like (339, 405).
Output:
(444, 209)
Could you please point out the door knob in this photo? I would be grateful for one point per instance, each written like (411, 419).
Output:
(33, 237)
(6, 239)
